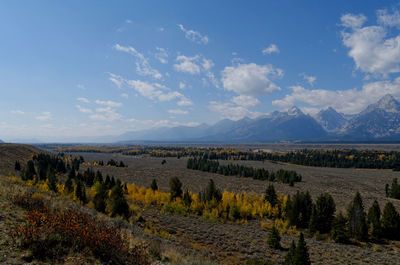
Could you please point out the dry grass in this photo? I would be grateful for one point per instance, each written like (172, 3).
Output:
(9, 153)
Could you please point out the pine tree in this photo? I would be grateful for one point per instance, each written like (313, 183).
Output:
(71, 174)
(80, 191)
(175, 186)
(323, 214)
(339, 232)
(289, 259)
(69, 187)
(390, 222)
(29, 171)
(301, 256)
(187, 199)
(100, 198)
(356, 217)
(270, 195)
(374, 220)
(17, 166)
(274, 239)
(51, 180)
(118, 202)
(154, 185)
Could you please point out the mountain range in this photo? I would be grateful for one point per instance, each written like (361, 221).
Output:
(379, 121)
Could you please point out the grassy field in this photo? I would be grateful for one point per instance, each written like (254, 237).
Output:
(184, 239)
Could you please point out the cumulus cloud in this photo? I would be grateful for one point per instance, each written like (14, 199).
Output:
(178, 111)
(161, 55)
(44, 116)
(108, 103)
(250, 79)
(83, 110)
(370, 47)
(310, 79)
(187, 64)
(142, 64)
(271, 49)
(348, 101)
(231, 111)
(193, 36)
(124, 95)
(196, 65)
(389, 19)
(246, 101)
(182, 85)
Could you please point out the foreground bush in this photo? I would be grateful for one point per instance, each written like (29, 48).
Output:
(51, 234)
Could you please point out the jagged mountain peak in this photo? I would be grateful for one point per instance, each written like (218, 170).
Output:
(331, 120)
(294, 111)
(387, 103)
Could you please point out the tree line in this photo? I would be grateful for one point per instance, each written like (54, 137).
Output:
(284, 176)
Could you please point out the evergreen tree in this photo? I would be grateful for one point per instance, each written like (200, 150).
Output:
(301, 256)
(69, 187)
(323, 214)
(289, 259)
(356, 217)
(270, 195)
(175, 186)
(211, 192)
(118, 202)
(187, 199)
(71, 174)
(390, 222)
(298, 209)
(98, 177)
(339, 232)
(51, 180)
(29, 171)
(274, 239)
(17, 166)
(100, 198)
(80, 191)
(107, 182)
(374, 220)
(154, 185)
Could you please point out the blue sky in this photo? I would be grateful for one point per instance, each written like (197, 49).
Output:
(91, 68)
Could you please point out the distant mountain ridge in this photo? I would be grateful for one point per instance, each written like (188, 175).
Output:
(380, 120)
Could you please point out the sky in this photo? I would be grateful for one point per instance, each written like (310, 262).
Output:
(70, 69)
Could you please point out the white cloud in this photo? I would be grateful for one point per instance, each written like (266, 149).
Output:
(309, 79)
(372, 51)
(250, 79)
(161, 29)
(353, 21)
(271, 49)
(44, 116)
(187, 64)
(152, 91)
(142, 64)
(207, 64)
(20, 112)
(108, 103)
(84, 100)
(106, 114)
(246, 101)
(161, 55)
(231, 111)
(178, 111)
(348, 101)
(128, 21)
(83, 110)
(193, 36)
(182, 85)
(185, 102)
(116, 79)
(124, 95)
(387, 19)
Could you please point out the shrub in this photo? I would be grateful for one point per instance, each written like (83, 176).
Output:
(52, 234)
